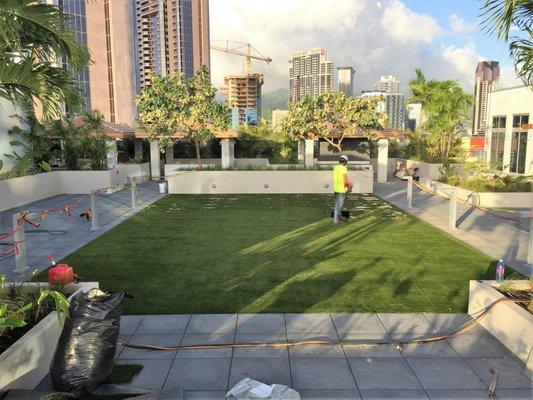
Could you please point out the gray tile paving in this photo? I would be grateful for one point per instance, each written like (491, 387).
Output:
(113, 210)
(330, 373)
(261, 323)
(445, 373)
(450, 323)
(267, 370)
(383, 373)
(355, 365)
(199, 373)
(358, 323)
(383, 394)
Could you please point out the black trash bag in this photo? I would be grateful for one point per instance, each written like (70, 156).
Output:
(85, 353)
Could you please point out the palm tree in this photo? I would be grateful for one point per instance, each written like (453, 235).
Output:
(445, 106)
(32, 37)
(505, 16)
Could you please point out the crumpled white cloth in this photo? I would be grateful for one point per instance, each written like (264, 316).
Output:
(248, 389)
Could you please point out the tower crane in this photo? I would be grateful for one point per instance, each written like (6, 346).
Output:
(240, 49)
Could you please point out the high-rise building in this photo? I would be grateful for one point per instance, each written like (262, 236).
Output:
(277, 118)
(487, 79)
(244, 98)
(110, 37)
(392, 105)
(345, 77)
(310, 73)
(76, 11)
(172, 37)
(413, 117)
(388, 84)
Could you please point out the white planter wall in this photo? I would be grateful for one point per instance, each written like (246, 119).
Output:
(254, 182)
(508, 322)
(25, 189)
(27, 361)
(426, 171)
(127, 171)
(83, 182)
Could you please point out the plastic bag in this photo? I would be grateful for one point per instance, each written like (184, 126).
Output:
(85, 353)
(248, 389)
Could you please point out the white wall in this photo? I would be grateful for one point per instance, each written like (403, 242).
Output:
(131, 170)
(253, 182)
(7, 121)
(26, 189)
(508, 102)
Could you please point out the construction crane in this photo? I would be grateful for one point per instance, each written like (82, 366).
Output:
(233, 47)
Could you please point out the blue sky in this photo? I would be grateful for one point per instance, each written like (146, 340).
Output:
(383, 37)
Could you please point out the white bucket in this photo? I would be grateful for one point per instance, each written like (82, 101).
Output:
(162, 187)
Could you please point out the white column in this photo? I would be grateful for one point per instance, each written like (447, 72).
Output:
(169, 155)
(383, 156)
(409, 192)
(452, 222)
(138, 148)
(94, 209)
(529, 153)
(228, 153)
(155, 159)
(301, 151)
(507, 149)
(309, 155)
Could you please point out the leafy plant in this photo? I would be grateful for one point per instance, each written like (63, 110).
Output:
(331, 116)
(263, 141)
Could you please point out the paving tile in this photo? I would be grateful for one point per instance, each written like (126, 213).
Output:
(359, 345)
(129, 323)
(261, 352)
(163, 324)
(207, 339)
(309, 323)
(315, 351)
(475, 345)
(260, 323)
(437, 349)
(510, 374)
(330, 373)
(406, 323)
(205, 395)
(332, 394)
(130, 353)
(515, 394)
(445, 373)
(123, 338)
(153, 374)
(389, 394)
(358, 323)
(447, 394)
(449, 323)
(266, 370)
(212, 323)
(383, 373)
(199, 373)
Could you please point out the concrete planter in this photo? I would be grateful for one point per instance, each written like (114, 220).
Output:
(27, 361)
(131, 170)
(508, 322)
(426, 171)
(486, 199)
(263, 182)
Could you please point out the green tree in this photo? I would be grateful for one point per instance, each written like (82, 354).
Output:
(169, 104)
(445, 110)
(501, 18)
(331, 116)
(32, 37)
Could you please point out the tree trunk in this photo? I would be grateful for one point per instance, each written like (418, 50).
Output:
(198, 157)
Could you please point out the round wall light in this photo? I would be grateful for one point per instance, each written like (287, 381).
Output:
(266, 186)
(214, 185)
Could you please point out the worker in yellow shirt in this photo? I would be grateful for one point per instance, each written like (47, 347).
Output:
(341, 185)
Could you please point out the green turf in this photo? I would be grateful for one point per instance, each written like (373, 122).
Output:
(280, 253)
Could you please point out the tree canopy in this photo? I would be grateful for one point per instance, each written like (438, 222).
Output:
(331, 116)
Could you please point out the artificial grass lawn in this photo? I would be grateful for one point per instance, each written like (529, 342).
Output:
(280, 253)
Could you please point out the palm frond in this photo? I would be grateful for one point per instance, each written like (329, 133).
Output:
(521, 51)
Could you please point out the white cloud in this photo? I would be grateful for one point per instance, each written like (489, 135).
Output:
(388, 38)
(459, 26)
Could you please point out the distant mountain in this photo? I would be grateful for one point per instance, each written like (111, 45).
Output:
(272, 100)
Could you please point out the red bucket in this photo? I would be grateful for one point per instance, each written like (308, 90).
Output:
(61, 274)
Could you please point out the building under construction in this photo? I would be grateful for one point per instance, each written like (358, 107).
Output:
(244, 98)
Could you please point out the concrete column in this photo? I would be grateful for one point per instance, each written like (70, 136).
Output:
(383, 156)
(409, 192)
(228, 153)
(94, 209)
(309, 155)
(19, 238)
(529, 153)
(155, 159)
(169, 155)
(138, 148)
(507, 150)
(301, 151)
(452, 222)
